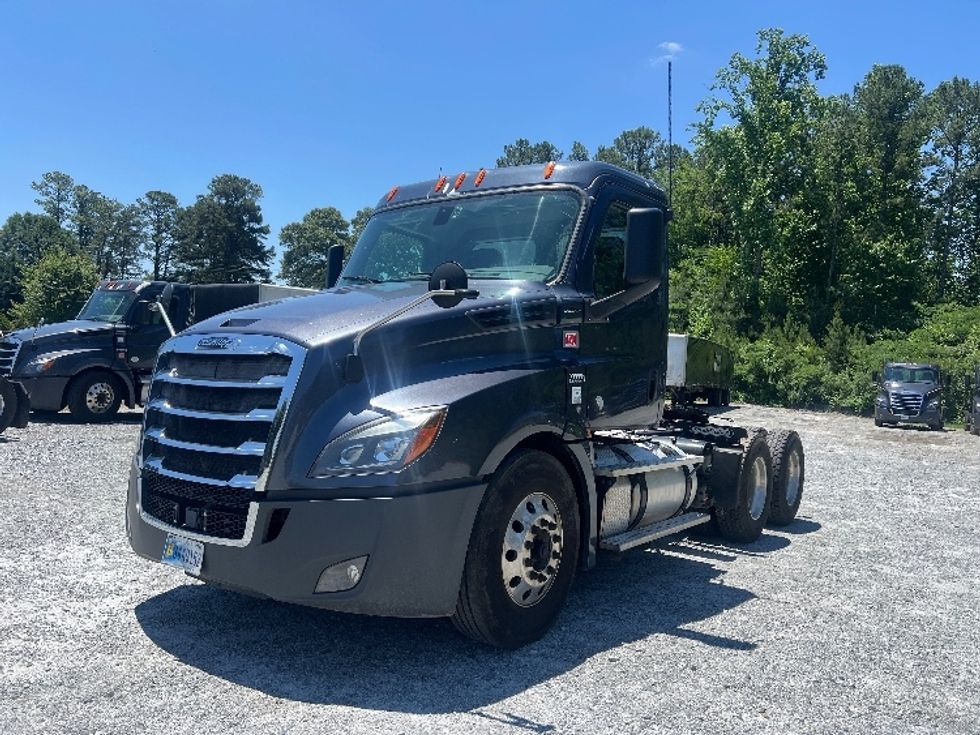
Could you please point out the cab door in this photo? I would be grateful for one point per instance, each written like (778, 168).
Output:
(625, 353)
(146, 332)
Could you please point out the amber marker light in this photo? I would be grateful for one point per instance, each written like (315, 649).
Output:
(459, 180)
(439, 184)
(549, 169)
(480, 176)
(391, 194)
(427, 434)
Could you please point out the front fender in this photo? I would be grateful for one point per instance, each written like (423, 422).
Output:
(69, 363)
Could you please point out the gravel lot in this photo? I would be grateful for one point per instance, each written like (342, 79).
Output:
(860, 617)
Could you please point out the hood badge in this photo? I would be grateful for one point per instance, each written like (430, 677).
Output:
(217, 343)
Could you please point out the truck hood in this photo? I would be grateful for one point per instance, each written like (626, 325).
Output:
(342, 312)
(61, 332)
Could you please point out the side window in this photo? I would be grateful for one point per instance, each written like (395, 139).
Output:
(610, 252)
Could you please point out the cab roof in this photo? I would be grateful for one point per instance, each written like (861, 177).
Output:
(583, 174)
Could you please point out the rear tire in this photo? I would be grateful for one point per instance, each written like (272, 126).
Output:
(744, 522)
(787, 476)
(522, 555)
(95, 396)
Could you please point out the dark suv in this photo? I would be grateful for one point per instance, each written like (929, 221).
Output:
(909, 393)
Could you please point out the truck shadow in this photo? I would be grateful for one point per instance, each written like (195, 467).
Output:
(424, 666)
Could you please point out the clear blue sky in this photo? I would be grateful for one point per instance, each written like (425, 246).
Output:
(331, 103)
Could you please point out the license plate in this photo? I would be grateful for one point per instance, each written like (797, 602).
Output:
(183, 553)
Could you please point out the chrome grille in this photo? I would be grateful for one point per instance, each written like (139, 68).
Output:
(8, 354)
(904, 402)
(210, 427)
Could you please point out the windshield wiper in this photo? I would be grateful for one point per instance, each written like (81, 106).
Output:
(361, 279)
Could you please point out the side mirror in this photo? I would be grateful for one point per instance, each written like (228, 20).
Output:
(335, 264)
(646, 246)
(166, 295)
(876, 377)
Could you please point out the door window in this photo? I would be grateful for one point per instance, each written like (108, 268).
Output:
(610, 252)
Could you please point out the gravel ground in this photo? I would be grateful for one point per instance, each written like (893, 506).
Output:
(859, 617)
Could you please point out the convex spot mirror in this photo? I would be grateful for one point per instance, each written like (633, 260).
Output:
(646, 246)
(449, 276)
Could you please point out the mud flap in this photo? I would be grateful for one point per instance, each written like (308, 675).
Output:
(15, 405)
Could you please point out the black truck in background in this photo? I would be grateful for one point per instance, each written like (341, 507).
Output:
(456, 426)
(909, 393)
(103, 358)
(973, 409)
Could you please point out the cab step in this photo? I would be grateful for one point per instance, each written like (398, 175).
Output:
(646, 534)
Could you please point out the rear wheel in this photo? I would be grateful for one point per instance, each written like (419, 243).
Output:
(745, 521)
(523, 553)
(95, 396)
(787, 476)
(8, 404)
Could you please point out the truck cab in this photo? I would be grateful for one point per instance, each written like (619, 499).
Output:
(463, 419)
(909, 393)
(104, 357)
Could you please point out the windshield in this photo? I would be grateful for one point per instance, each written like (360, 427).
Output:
(910, 375)
(520, 236)
(107, 306)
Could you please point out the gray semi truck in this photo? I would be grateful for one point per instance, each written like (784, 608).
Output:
(459, 423)
(103, 358)
(909, 393)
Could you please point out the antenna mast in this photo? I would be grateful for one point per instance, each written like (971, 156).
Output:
(670, 134)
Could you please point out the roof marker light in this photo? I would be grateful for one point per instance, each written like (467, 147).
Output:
(480, 176)
(459, 180)
(439, 184)
(391, 194)
(549, 169)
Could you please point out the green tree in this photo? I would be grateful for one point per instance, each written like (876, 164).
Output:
(757, 133)
(953, 189)
(222, 235)
(55, 288)
(357, 224)
(24, 238)
(522, 152)
(640, 150)
(304, 260)
(579, 152)
(55, 195)
(158, 212)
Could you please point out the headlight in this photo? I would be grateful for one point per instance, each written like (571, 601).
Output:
(934, 403)
(387, 445)
(882, 400)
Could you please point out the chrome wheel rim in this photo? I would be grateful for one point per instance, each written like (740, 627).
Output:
(793, 478)
(532, 549)
(99, 397)
(758, 482)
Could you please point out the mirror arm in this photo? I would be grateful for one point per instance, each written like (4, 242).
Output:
(599, 310)
(157, 306)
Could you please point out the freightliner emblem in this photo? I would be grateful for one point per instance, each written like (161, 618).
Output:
(216, 343)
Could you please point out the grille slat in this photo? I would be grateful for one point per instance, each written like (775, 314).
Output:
(209, 418)
(8, 355)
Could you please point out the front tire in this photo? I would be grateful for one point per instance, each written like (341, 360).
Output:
(787, 476)
(523, 553)
(744, 522)
(95, 396)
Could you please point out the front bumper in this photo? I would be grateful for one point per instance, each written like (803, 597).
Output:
(46, 391)
(925, 416)
(416, 547)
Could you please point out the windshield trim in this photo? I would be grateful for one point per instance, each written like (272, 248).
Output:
(562, 271)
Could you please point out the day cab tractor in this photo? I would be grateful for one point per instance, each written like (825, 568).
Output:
(468, 414)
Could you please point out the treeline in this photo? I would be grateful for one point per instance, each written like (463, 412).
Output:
(819, 236)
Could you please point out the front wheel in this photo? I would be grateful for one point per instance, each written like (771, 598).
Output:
(744, 522)
(95, 396)
(522, 555)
